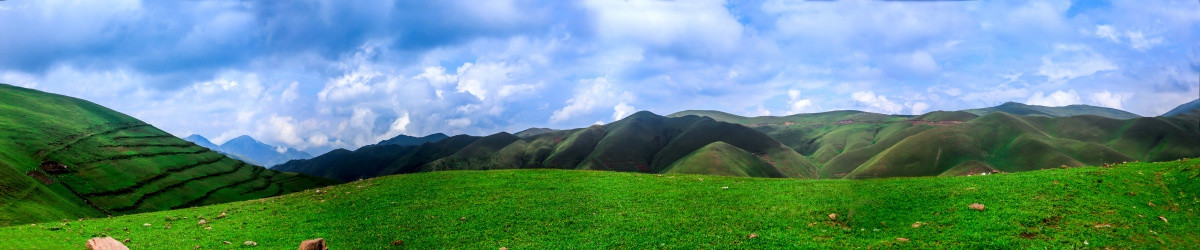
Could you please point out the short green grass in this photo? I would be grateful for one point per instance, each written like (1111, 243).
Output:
(1135, 205)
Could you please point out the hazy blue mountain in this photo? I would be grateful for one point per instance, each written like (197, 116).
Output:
(247, 149)
(1064, 111)
(200, 140)
(1192, 108)
(404, 140)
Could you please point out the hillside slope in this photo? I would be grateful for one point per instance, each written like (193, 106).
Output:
(642, 142)
(865, 145)
(1136, 205)
(1191, 108)
(376, 160)
(66, 158)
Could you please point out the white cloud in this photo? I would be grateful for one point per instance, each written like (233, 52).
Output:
(281, 128)
(1073, 61)
(877, 102)
(1109, 99)
(918, 108)
(920, 63)
(1056, 99)
(591, 94)
(1140, 42)
(291, 93)
(460, 122)
(622, 110)
(797, 105)
(1107, 31)
(704, 26)
(398, 127)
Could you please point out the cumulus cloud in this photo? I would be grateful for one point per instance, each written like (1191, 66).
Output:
(348, 74)
(918, 108)
(1110, 99)
(876, 102)
(796, 104)
(591, 94)
(622, 110)
(1056, 99)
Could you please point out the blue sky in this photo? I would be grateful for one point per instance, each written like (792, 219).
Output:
(317, 75)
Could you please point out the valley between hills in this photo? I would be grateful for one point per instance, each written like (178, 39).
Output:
(1073, 176)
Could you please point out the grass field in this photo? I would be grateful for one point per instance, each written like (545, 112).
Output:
(1135, 205)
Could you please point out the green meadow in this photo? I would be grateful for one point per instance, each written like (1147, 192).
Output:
(1134, 205)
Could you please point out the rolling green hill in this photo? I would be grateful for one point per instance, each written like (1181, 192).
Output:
(376, 160)
(865, 145)
(66, 158)
(642, 142)
(1191, 108)
(1135, 205)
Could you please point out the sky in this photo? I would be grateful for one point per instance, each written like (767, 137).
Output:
(324, 74)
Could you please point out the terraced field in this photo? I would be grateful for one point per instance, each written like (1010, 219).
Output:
(65, 158)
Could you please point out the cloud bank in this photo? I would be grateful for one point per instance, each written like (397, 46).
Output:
(318, 75)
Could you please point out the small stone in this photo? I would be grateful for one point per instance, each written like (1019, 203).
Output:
(222, 215)
(202, 222)
(227, 242)
(917, 224)
(503, 248)
(902, 239)
(250, 243)
(314, 244)
(833, 216)
(463, 219)
(126, 240)
(977, 206)
(106, 243)
(753, 235)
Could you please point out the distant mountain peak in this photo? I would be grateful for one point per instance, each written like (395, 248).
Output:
(197, 138)
(242, 139)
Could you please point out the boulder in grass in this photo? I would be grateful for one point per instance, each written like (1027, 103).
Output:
(977, 206)
(315, 244)
(106, 243)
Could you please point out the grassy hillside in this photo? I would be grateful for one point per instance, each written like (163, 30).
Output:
(864, 145)
(65, 158)
(1191, 108)
(642, 142)
(1136, 205)
(376, 160)
(720, 158)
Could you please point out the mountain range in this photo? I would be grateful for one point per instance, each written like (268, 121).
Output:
(1011, 137)
(249, 150)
